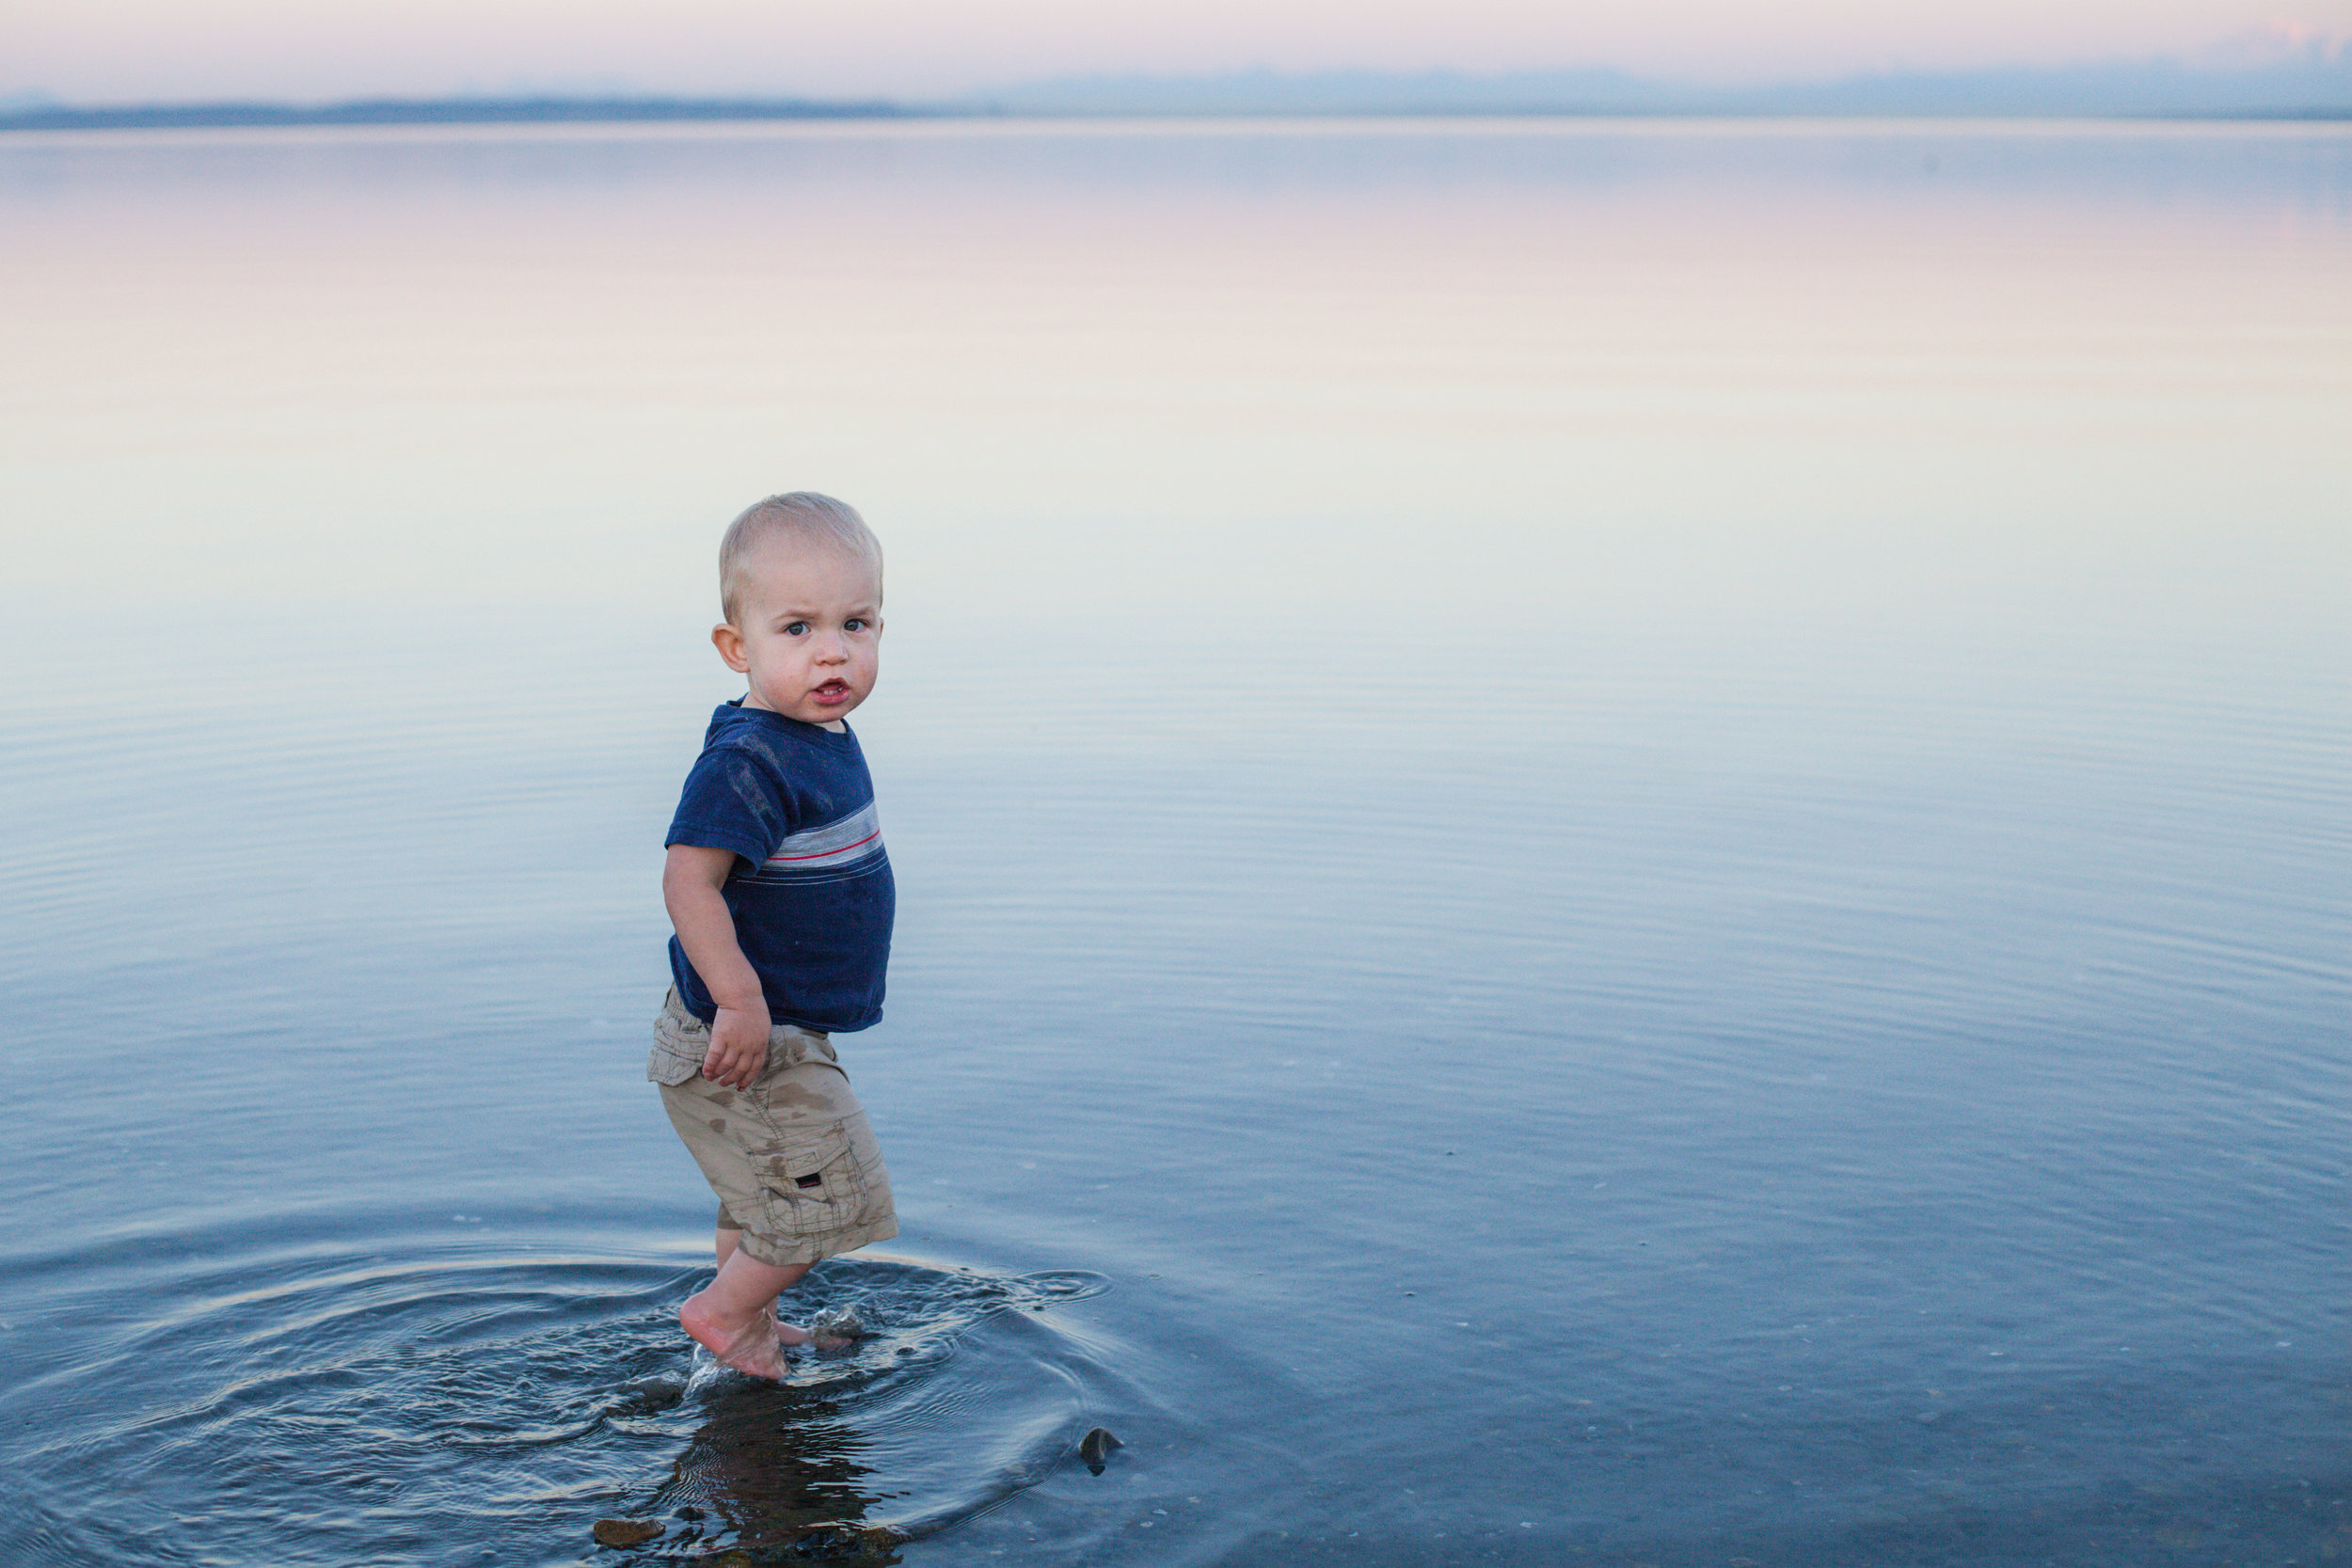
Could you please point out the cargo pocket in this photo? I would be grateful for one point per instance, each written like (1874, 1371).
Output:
(811, 1184)
(680, 1041)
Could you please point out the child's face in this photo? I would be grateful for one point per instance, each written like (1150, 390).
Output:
(806, 632)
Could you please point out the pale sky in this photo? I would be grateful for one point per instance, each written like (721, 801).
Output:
(109, 51)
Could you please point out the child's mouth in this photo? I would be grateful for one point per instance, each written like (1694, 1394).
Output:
(831, 692)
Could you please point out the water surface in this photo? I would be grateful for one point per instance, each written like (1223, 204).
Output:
(1617, 844)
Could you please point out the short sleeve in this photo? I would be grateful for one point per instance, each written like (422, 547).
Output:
(730, 802)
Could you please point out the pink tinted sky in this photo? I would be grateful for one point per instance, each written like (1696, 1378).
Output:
(101, 51)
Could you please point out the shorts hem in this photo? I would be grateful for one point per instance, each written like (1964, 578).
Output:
(780, 1252)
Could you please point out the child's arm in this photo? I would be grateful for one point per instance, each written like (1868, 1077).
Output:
(691, 881)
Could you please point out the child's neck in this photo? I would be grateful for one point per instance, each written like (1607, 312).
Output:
(839, 726)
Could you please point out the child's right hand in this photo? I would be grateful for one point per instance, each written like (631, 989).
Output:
(691, 881)
(739, 1047)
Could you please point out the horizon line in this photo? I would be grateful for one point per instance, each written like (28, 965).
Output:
(622, 110)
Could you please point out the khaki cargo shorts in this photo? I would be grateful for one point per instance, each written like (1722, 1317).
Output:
(792, 1158)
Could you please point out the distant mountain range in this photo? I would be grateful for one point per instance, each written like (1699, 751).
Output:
(46, 115)
(2313, 83)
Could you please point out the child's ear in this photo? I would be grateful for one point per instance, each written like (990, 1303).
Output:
(730, 642)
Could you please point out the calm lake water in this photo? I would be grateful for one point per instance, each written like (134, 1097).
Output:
(1618, 843)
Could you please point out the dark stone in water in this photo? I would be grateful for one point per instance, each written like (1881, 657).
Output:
(648, 1394)
(836, 1538)
(626, 1533)
(1096, 1446)
(837, 1327)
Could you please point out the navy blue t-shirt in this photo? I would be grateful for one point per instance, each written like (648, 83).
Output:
(811, 891)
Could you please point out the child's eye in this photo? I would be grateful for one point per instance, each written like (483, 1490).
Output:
(854, 624)
(796, 628)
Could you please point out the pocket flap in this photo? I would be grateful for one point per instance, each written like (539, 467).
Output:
(804, 1164)
(680, 1042)
(668, 1068)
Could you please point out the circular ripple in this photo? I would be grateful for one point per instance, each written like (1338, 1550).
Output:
(475, 1409)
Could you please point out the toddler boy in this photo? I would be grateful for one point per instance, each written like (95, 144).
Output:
(782, 899)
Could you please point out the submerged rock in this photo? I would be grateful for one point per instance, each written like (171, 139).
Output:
(837, 1325)
(626, 1533)
(836, 1538)
(1095, 1448)
(648, 1394)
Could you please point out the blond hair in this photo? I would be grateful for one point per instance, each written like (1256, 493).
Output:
(802, 515)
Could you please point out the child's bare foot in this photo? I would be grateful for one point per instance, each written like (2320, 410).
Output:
(753, 1345)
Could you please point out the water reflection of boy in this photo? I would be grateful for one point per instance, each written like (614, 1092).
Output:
(777, 1479)
(781, 896)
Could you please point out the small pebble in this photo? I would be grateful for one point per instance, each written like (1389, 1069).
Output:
(838, 1323)
(626, 1532)
(1095, 1448)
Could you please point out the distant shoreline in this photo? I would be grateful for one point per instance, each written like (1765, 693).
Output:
(623, 111)
(444, 111)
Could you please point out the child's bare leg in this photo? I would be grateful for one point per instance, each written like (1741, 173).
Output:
(733, 1317)
(723, 1244)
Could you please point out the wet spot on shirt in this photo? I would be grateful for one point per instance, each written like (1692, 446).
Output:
(718, 1124)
